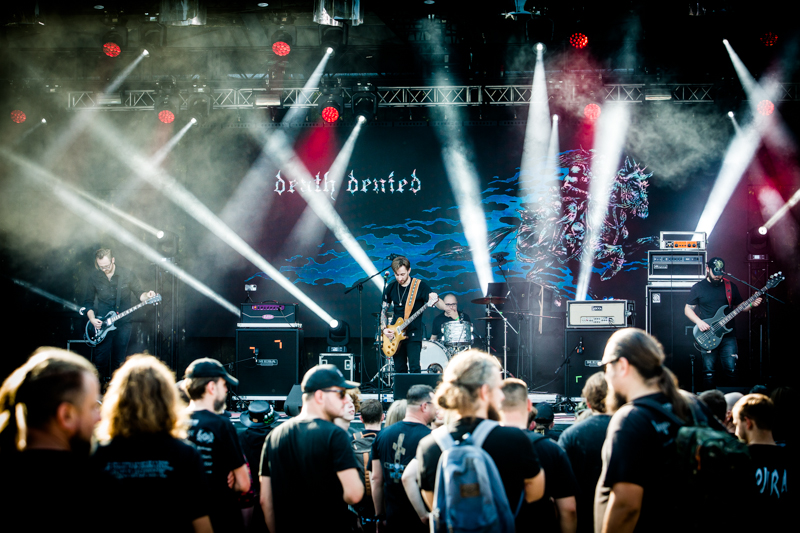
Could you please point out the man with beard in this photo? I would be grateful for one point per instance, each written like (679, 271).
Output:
(637, 491)
(470, 392)
(48, 410)
(705, 298)
(215, 438)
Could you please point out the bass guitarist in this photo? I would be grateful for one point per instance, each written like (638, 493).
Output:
(705, 298)
(407, 294)
(108, 288)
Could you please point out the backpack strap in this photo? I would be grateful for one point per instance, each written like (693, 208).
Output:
(443, 438)
(655, 406)
(358, 435)
(482, 431)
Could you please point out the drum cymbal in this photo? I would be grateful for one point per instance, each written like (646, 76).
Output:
(490, 300)
(489, 318)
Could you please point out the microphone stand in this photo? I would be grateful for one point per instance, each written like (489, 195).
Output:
(566, 401)
(360, 286)
(506, 325)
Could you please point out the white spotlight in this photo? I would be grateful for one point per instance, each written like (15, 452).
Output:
(555, 118)
(334, 324)
(194, 120)
(44, 121)
(724, 41)
(329, 51)
(362, 119)
(762, 230)
(539, 47)
(160, 234)
(145, 53)
(730, 114)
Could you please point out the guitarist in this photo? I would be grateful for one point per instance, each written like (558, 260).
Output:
(109, 288)
(399, 293)
(705, 298)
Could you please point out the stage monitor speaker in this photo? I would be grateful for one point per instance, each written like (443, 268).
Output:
(667, 322)
(582, 365)
(294, 401)
(403, 382)
(267, 362)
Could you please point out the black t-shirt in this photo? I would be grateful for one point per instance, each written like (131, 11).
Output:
(438, 323)
(513, 454)
(638, 448)
(215, 438)
(158, 476)
(302, 458)
(252, 441)
(98, 286)
(709, 298)
(43, 490)
(583, 443)
(559, 483)
(394, 447)
(397, 296)
(771, 502)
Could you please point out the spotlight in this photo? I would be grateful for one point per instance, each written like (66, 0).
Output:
(555, 118)
(199, 106)
(18, 116)
(329, 50)
(44, 121)
(540, 47)
(364, 102)
(160, 234)
(765, 107)
(167, 108)
(730, 114)
(114, 41)
(338, 336)
(330, 104)
(591, 112)
(145, 53)
(769, 39)
(361, 119)
(281, 43)
(578, 40)
(762, 230)
(151, 37)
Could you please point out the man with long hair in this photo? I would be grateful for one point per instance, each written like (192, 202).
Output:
(143, 462)
(636, 490)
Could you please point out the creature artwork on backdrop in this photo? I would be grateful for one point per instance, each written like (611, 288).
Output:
(539, 225)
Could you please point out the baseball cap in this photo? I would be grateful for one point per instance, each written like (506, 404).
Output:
(324, 376)
(717, 266)
(544, 412)
(209, 368)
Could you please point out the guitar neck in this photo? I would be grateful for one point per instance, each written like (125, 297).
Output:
(413, 317)
(742, 306)
(125, 313)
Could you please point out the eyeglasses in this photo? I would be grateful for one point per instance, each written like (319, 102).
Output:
(605, 365)
(340, 392)
(452, 305)
(106, 268)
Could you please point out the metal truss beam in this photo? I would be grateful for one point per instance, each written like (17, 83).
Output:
(456, 95)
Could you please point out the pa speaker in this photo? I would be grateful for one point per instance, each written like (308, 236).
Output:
(267, 362)
(667, 322)
(403, 382)
(589, 344)
(294, 401)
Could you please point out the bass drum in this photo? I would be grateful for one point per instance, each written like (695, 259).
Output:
(433, 357)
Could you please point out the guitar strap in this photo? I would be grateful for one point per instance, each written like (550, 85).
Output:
(412, 296)
(729, 293)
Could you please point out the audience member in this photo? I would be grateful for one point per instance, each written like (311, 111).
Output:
(215, 438)
(258, 421)
(309, 456)
(753, 416)
(783, 398)
(143, 464)
(371, 414)
(715, 401)
(545, 420)
(48, 410)
(352, 404)
(392, 450)
(396, 413)
(556, 511)
(470, 391)
(636, 490)
(583, 442)
(730, 400)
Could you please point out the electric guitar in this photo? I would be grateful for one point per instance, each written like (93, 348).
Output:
(710, 339)
(390, 345)
(94, 336)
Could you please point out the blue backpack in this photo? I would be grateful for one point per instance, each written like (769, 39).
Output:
(469, 495)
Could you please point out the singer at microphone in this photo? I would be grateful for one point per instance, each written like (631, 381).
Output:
(452, 314)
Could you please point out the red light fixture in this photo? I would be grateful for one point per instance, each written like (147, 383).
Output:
(112, 49)
(578, 40)
(765, 107)
(591, 112)
(281, 48)
(330, 114)
(166, 116)
(18, 116)
(769, 39)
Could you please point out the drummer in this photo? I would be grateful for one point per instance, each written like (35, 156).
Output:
(452, 313)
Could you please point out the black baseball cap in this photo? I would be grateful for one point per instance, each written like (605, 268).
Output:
(717, 266)
(209, 368)
(324, 376)
(544, 412)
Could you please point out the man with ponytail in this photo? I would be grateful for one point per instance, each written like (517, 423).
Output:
(637, 490)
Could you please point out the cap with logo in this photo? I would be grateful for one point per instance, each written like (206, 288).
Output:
(209, 368)
(717, 266)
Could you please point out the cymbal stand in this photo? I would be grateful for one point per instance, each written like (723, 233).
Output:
(506, 325)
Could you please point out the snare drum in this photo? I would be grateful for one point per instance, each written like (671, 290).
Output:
(433, 357)
(457, 333)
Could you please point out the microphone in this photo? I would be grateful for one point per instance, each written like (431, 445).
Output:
(392, 256)
(386, 274)
(580, 346)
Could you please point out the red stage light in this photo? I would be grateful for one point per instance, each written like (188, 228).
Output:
(281, 48)
(166, 116)
(18, 116)
(765, 107)
(578, 40)
(591, 112)
(769, 39)
(112, 49)
(330, 114)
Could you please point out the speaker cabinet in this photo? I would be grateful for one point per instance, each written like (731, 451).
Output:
(403, 382)
(667, 322)
(583, 365)
(267, 362)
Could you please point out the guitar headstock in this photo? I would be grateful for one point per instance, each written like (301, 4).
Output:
(775, 279)
(154, 300)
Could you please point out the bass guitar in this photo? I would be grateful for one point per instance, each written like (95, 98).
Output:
(710, 339)
(94, 336)
(390, 345)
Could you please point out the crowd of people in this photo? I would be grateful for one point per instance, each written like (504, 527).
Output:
(153, 454)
